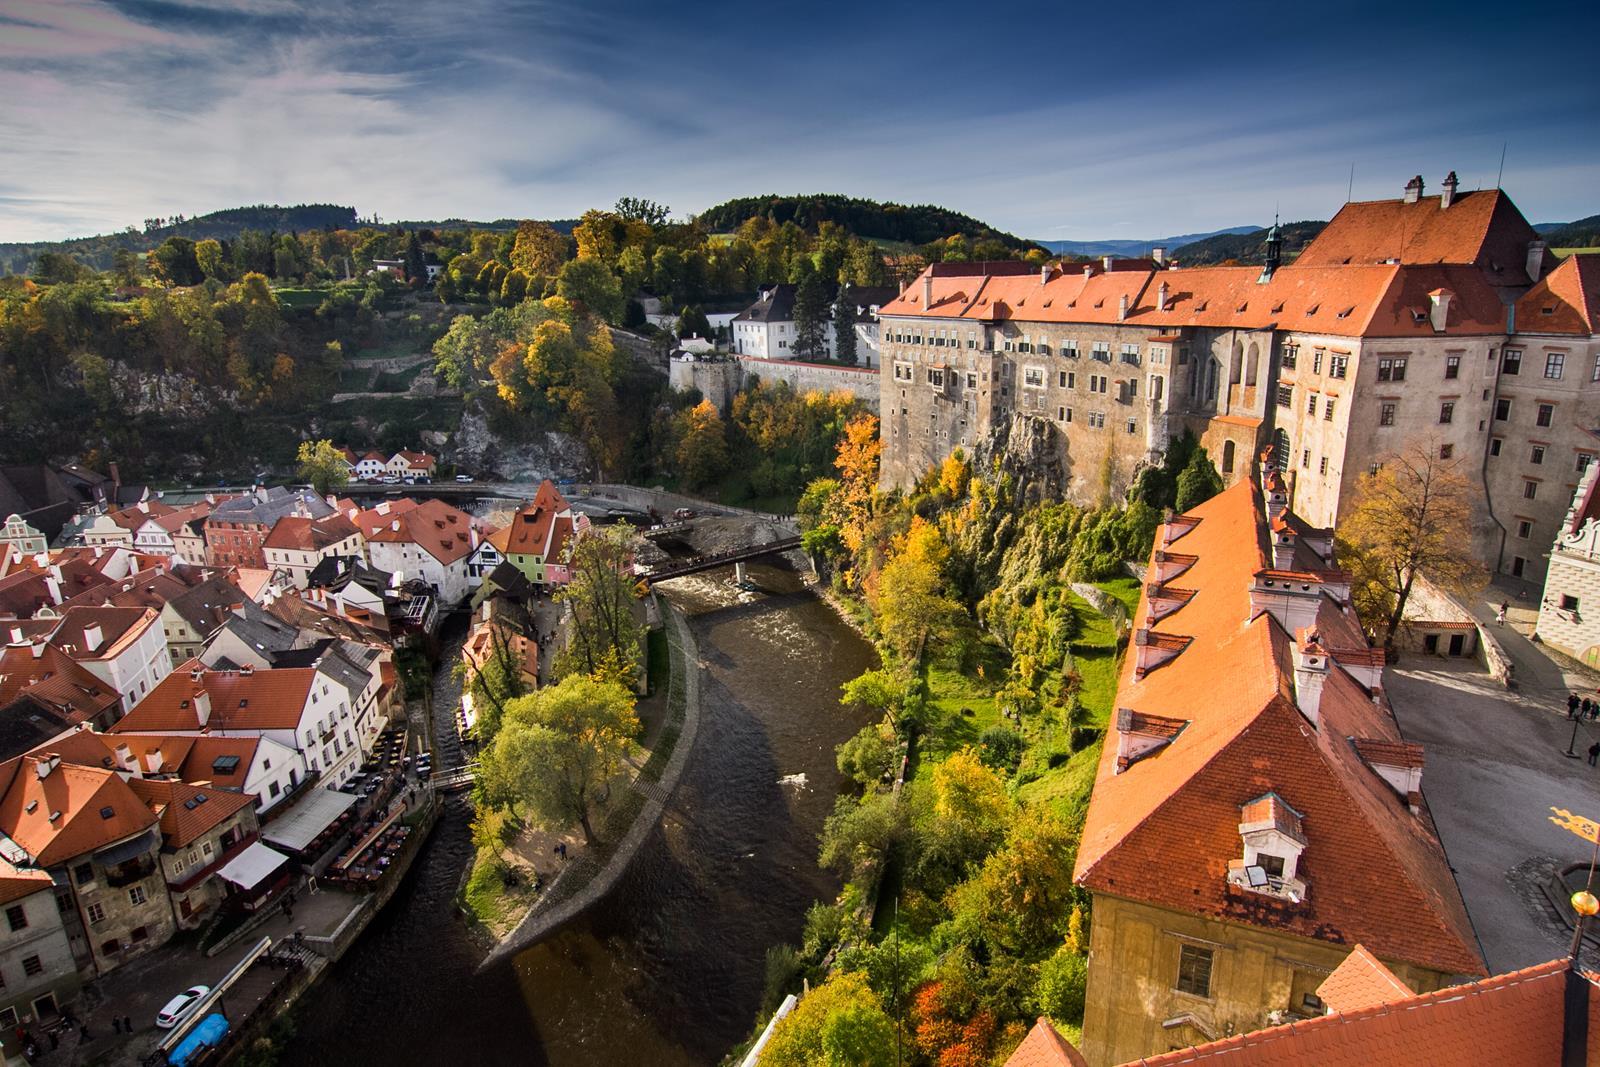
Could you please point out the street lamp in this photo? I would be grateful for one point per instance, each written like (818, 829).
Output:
(1572, 743)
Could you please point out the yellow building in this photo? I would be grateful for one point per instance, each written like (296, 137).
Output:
(1256, 812)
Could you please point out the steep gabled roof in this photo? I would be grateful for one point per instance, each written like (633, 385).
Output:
(444, 532)
(297, 532)
(529, 533)
(1362, 981)
(240, 700)
(1044, 1047)
(1164, 829)
(1483, 228)
(70, 811)
(1513, 1018)
(1565, 301)
(187, 812)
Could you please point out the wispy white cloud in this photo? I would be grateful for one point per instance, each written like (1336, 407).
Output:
(60, 29)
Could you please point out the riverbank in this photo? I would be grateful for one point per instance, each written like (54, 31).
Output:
(596, 872)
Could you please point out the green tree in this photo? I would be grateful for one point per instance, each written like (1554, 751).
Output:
(1022, 897)
(416, 262)
(1063, 985)
(910, 606)
(860, 833)
(173, 262)
(126, 268)
(1198, 482)
(212, 262)
(864, 757)
(811, 314)
(323, 466)
(692, 322)
(844, 327)
(58, 268)
(493, 684)
(591, 286)
(634, 209)
(841, 1023)
(465, 351)
(558, 749)
(605, 636)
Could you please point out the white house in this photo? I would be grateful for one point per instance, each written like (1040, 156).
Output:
(19, 537)
(431, 540)
(38, 974)
(1569, 613)
(370, 466)
(296, 544)
(411, 464)
(118, 527)
(766, 329)
(124, 647)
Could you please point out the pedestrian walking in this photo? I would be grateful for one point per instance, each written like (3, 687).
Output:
(1585, 709)
(1572, 705)
(1594, 754)
(116, 1025)
(1500, 616)
(127, 1024)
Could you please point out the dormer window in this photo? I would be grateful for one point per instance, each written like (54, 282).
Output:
(1273, 839)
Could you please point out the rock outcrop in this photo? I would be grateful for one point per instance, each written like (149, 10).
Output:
(476, 448)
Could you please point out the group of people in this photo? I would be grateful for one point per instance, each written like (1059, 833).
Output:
(1579, 709)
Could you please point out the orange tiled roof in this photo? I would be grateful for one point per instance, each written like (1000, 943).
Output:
(1378, 299)
(70, 811)
(1506, 1019)
(1483, 228)
(240, 700)
(54, 677)
(136, 516)
(437, 528)
(200, 757)
(187, 812)
(1164, 829)
(305, 534)
(119, 628)
(1043, 1047)
(16, 883)
(530, 527)
(1565, 301)
(1362, 981)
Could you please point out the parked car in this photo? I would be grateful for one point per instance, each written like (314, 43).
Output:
(683, 513)
(180, 1006)
(463, 477)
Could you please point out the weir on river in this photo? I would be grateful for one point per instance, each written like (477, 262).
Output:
(667, 969)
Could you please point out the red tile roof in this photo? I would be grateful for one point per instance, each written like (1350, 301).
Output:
(434, 526)
(1511, 1018)
(187, 812)
(1566, 301)
(240, 700)
(1385, 300)
(91, 807)
(1483, 228)
(132, 518)
(118, 628)
(309, 535)
(55, 678)
(1164, 829)
(1043, 1047)
(16, 883)
(1362, 981)
(530, 528)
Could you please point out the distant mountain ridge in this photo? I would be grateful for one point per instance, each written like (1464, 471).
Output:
(1139, 247)
(917, 224)
(1585, 233)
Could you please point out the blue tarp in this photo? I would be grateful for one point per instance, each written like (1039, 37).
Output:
(207, 1034)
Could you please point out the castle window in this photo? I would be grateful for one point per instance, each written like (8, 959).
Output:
(1291, 356)
(1554, 363)
(1102, 351)
(1285, 395)
(1546, 413)
(1069, 348)
(1447, 413)
(1511, 361)
(1327, 409)
(1130, 354)
(1033, 378)
(1389, 370)
(1386, 414)
(1338, 365)
(1537, 455)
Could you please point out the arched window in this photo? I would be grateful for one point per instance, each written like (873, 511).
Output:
(1280, 448)
(1212, 368)
(1237, 374)
(1252, 357)
(1227, 457)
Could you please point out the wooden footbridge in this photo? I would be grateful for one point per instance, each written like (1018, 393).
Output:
(678, 568)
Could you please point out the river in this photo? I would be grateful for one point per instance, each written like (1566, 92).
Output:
(668, 968)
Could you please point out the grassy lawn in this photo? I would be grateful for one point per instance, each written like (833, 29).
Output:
(1125, 590)
(964, 707)
(301, 298)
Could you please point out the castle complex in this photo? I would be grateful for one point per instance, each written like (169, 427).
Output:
(1437, 322)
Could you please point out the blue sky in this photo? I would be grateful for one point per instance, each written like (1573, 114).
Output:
(1051, 120)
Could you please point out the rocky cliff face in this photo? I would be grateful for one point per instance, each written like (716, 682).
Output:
(171, 395)
(1030, 449)
(477, 449)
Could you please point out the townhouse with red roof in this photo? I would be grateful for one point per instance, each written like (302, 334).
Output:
(1256, 811)
(121, 527)
(540, 537)
(38, 975)
(429, 540)
(409, 464)
(123, 647)
(237, 529)
(297, 543)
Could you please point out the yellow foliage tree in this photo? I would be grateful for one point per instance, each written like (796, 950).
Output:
(538, 251)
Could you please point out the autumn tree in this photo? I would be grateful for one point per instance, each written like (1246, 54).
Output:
(558, 749)
(493, 683)
(702, 445)
(859, 833)
(465, 351)
(1021, 898)
(591, 286)
(210, 259)
(857, 462)
(840, 1023)
(173, 262)
(538, 250)
(636, 209)
(1412, 518)
(323, 466)
(910, 606)
(606, 638)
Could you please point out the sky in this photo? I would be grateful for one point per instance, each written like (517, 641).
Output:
(1049, 120)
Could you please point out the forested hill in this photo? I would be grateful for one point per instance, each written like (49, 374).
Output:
(919, 224)
(97, 252)
(1585, 233)
(1247, 247)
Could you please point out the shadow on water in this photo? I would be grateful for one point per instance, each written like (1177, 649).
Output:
(668, 968)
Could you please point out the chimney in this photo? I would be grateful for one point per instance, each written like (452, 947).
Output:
(1439, 309)
(1088, 270)
(1105, 263)
(1161, 297)
(1159, 254)
(1310, 673)
(1044, 273)
(1535, 260)
(38, 650)
(153, 761)
(53, 584)
(92, 637)
(927, 289)
(125, 758)
(1449, 195)
(1414, 190)
(16, 636)
(202, 706)
(1122, 307)
(47, 763)
(116, 475)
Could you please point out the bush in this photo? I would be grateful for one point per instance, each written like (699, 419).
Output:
(1063, 980)
(783, 970)
(1001, 748)
(865, 757)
